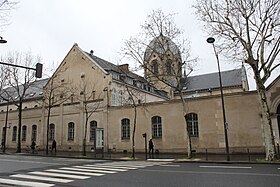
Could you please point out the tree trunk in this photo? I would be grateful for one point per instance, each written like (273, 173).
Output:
(133, 132)
(48, 129)
(266, 119)
(19, 127)
(85, 135)
(189, 149)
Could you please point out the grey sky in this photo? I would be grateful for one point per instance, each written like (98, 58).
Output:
(49, 28)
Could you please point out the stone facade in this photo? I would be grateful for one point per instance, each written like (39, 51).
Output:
(84, 80)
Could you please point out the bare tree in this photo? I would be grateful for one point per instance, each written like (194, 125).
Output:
(160, 35)
(18, 82)
(90, 101)
(55, 93)
(5, 9)
(131, 99)
(248, 31)
(3, 77)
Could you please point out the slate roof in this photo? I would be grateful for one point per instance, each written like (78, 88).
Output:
(108, 66)
(34, 91)
(232, 78)
(160, 45)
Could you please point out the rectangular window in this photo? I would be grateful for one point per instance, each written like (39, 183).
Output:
(24, 128)
(125, 128)
(71, 128)
(14, 135)
(93, 126)
(52, 132)
(156, 127)
(34, 133)
(192, 121)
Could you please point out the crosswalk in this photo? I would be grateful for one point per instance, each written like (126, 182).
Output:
(67, 174)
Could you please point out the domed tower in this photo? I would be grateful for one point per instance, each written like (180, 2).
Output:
(162, 61)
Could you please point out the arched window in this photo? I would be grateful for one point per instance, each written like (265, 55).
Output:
(14, 136)
(125, 128)
(52, 132)
(154, 67)
(92, 131)
(24, 128)
(71, 130)
(156, 127)
(168, 67)
(192, 121)
(34, 133)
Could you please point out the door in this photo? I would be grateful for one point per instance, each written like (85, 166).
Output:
(99, 138)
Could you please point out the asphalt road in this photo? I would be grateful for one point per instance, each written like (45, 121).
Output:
(50, 171)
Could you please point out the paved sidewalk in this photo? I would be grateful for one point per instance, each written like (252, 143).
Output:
(234, 158)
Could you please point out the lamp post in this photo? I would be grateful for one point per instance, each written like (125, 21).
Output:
(5, 128)
(2, 41)
(211, 41)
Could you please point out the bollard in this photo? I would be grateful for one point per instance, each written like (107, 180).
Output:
(206, 154)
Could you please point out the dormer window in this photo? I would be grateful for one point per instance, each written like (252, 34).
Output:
(116, 76)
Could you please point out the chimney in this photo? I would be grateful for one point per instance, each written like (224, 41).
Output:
(124, 68)
(91, 52)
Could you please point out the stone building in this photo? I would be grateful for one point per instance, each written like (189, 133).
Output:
(91, 100)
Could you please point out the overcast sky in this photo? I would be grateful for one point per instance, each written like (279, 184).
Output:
(49, 28)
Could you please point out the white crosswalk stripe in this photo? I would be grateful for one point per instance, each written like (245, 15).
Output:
(89, 169)
(59, 175)
(24, 183)
(85, 171)
(50, 177)
(106, 169)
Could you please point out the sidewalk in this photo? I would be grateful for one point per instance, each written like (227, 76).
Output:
(217, 158)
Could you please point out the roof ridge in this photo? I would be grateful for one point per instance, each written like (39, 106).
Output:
(206, 74)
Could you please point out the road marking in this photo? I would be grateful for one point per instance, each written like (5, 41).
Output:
(211, 172)
(89, 169)
(59, 175)
(95, 172)
(161, 160)
(227, 167)
(27, 161)
(24, 183)
(41, 178)
(115, 167)
(75, 172)
(170, 165)
(104, 168)
(78, 160)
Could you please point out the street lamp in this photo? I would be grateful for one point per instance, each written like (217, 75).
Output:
(211, 41)
(2, 41)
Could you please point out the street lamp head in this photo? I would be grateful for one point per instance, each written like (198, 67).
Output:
(210, 40)
(2, 41)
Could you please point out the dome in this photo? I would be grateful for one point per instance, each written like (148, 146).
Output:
(161, 45)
